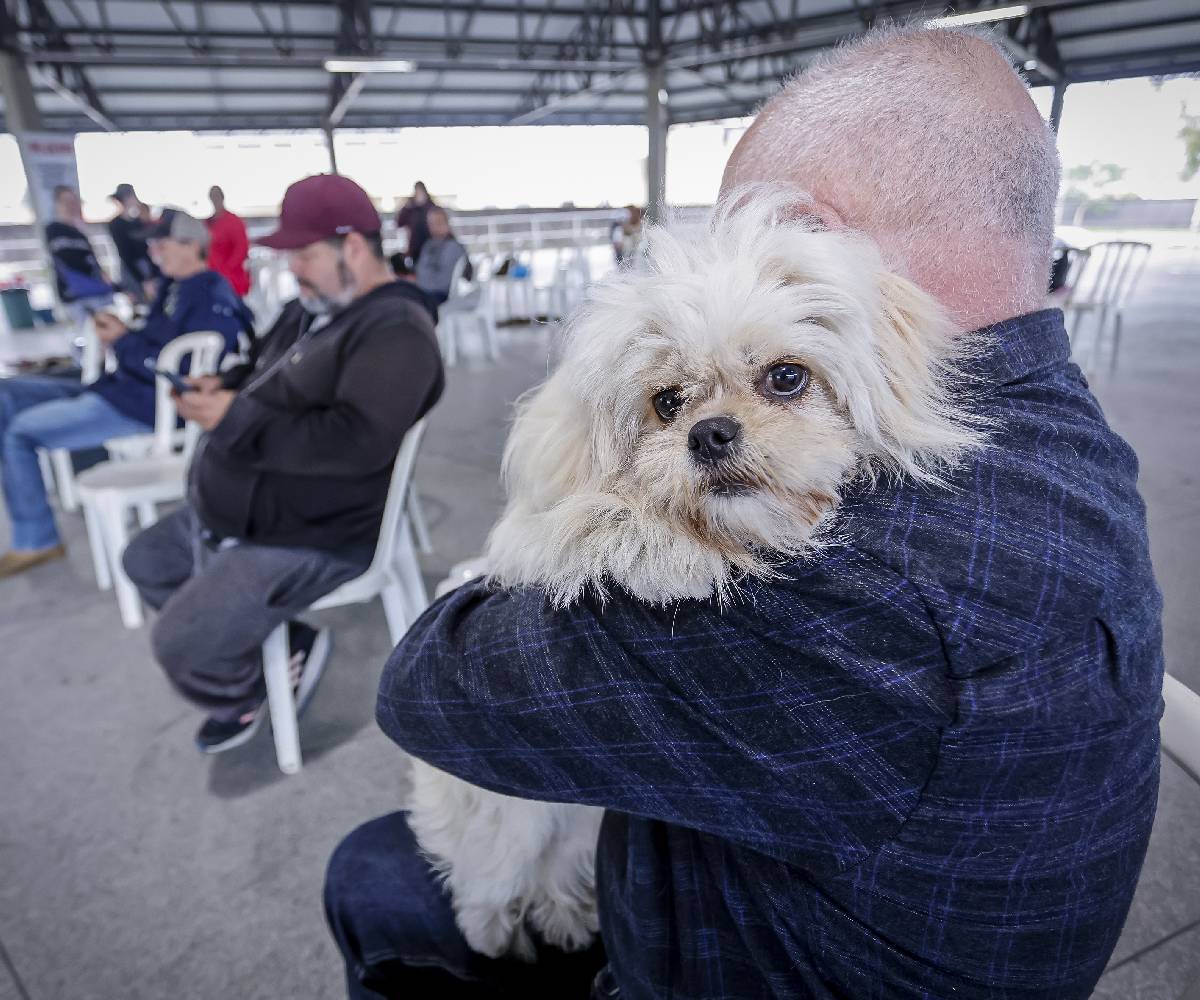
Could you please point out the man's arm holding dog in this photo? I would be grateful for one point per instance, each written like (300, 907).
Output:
(768, 723)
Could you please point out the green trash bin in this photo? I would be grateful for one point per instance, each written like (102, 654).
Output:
(17, 308)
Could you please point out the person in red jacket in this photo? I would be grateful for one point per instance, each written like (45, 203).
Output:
(230, 246)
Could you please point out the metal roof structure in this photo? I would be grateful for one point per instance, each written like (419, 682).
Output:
(232, 65)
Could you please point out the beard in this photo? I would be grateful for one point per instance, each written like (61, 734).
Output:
(318, 303)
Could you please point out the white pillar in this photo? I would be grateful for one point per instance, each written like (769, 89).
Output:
(333, 165)
(657, 120)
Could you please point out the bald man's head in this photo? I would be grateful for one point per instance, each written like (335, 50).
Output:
(927, 141)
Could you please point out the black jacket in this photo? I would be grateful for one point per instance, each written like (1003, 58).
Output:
(304, 455)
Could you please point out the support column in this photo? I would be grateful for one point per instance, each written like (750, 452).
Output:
(333, 165)
(22, 115)
(20, 108)
(1056, 105)
(657, 120)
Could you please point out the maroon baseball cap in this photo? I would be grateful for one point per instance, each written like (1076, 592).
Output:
(320, 208)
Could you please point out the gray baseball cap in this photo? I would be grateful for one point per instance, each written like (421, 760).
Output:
(176, 224)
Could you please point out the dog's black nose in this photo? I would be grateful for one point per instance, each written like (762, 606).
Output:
(712, 439)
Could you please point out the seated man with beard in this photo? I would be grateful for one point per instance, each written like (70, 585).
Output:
(288, 485)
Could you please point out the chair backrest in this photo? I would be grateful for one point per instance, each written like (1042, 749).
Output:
(394, 509)
(91, 361)
(1107, 273)
(204, 349)
(456, 290)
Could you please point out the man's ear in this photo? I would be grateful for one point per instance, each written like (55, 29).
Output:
(821, 212)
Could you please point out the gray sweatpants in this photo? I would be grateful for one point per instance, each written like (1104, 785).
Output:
(218, 606)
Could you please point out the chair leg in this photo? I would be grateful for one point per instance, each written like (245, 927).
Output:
(64, 475)
(116, 537)
(416, 515)
(95, 533)
(489, 332)
(281, 701)
(147, 514)
(1116, 342)
(409, 573)
(449, 338)
(395, 609)
(47, 470)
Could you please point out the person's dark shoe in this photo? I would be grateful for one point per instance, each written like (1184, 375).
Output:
(310, 652)
(216, 735)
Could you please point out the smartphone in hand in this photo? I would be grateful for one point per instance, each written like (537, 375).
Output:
(175, 379)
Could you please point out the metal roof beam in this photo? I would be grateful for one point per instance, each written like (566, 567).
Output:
(1119, 29)
(55, 45)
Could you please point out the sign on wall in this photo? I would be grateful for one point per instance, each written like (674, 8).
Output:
(49, 161)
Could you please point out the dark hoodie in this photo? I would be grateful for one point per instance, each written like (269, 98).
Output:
(303, 458)
(202, 302)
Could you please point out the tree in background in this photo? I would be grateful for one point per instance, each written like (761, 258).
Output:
(1088, 182)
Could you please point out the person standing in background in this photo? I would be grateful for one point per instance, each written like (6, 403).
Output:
(230, 246)
(439, 256)
(82, 285)
(139, 274)
(413, 218)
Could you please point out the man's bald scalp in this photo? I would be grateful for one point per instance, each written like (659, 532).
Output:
(928, 141)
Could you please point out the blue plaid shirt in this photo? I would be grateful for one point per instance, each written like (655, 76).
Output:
(923, 764)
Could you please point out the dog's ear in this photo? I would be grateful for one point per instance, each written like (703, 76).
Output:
(551, 450)
(919, 424)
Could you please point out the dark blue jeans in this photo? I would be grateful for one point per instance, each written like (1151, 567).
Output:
(395, 928)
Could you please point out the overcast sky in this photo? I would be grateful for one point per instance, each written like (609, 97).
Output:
(1128, 122)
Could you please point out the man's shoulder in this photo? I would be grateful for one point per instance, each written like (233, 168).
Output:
(398, 307)
(1038, 534)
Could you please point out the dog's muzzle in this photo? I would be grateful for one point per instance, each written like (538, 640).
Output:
(713, 439)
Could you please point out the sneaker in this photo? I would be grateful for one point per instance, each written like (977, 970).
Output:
(19, 560)
(310, 652)
(217, 735)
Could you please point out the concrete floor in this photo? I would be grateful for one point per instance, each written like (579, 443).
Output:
(131, 867)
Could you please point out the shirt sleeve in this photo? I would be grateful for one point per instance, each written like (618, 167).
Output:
(801, 721)
(194, 312)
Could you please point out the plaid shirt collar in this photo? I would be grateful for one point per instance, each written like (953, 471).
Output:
(1015, 348)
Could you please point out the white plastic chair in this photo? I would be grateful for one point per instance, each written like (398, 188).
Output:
(469, 304)
(1180, 727)
(572, 276)
(58, 471)
(110, 490)
(59, 477)
(394, 576)
(1101, 282)
(516, 291)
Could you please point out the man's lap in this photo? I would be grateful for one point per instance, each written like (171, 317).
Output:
(390, 915)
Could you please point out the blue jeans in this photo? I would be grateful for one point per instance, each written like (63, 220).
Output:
(394, 925)
(42, 412)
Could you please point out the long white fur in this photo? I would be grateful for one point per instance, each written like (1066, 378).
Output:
(595, 502)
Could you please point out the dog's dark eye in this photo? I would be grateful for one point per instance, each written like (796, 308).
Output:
(668, 403)
(786, 379)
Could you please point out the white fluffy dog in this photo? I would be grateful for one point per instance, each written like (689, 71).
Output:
(706, 414)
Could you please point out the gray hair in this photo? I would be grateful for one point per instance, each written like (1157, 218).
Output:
(929, 133)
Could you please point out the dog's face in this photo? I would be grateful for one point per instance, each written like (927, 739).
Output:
(708, 410)
(730, 429)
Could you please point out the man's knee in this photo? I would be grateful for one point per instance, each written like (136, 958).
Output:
(142, 558)
(382, 899)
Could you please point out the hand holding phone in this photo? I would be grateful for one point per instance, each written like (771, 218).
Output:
(176, 380)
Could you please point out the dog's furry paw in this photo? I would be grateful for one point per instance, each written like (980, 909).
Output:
(497, 933)
(571, 926)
